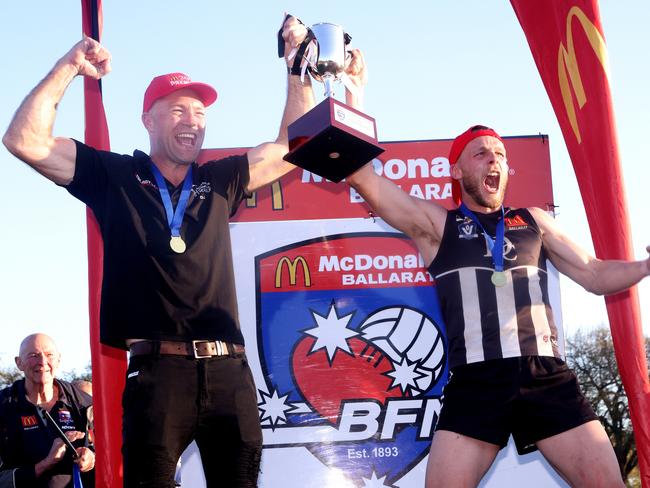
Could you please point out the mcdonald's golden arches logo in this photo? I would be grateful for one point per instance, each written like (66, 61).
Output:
(28, 420)
(277, 200)
(567, 62)
(292, 267)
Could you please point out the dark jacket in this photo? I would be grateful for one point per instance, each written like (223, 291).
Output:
(26, 439)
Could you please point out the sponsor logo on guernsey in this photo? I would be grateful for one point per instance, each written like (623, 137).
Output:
(29, 422)
(516, 223)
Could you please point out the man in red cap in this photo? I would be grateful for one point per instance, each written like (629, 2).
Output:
(508, 376)
(168, 291)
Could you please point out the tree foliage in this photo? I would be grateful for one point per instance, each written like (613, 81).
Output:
(9, 374)
(591, 356)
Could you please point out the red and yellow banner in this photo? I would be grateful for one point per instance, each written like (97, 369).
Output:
(567, 42)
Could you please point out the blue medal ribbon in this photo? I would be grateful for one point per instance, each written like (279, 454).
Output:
(496, 245)
(76, 476)
(174, 217)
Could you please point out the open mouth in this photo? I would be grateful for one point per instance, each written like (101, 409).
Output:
(186, 139)
(491, 182)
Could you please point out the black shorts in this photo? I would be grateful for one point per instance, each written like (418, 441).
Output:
(531, 397)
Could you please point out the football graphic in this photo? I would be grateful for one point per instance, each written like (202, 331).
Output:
(403, 332)
(359, 374)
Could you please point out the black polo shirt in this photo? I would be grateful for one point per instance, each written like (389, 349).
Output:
(26, 439)
(148, 290)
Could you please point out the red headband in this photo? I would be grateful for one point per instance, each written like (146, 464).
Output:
(457, 148)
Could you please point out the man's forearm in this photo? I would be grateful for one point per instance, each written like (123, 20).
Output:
(300, 99)
(44, 465)
(29, 135)
(614, 276)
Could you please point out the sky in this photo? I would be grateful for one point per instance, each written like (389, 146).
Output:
(435, 68)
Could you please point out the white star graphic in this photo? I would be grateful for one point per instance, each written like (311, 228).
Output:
(331, 332)
(274, 407)
(375, 482)
(404, 375)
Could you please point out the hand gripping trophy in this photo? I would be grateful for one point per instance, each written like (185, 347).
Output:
(332, 140)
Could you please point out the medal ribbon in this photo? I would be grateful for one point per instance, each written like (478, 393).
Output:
(496, 246)
(174, 217)
(76, 476)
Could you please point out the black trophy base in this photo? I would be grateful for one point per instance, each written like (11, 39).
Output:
(322, 142)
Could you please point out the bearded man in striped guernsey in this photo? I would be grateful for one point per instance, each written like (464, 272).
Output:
(507, 373)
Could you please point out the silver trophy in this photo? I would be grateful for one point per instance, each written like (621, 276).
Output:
(327, 59)
(333, 139)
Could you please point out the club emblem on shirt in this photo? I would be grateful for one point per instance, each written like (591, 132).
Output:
(145, 181)
(509, 250)
(201, 190)
(65, 420)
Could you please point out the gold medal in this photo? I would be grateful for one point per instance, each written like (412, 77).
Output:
(177, 244)
(499, 278)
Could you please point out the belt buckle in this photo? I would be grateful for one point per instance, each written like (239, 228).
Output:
(195, 351)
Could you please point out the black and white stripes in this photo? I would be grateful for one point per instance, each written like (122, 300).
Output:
(484, 321)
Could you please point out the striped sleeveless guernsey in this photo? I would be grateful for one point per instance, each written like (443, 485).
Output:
(484, 321)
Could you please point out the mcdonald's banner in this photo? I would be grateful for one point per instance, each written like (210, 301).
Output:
(568, 44)
(419, 167)
(342, 327)
(108, 364)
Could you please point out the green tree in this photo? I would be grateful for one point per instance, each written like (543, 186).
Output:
(9, 374)
(591, 356)
(86, 374)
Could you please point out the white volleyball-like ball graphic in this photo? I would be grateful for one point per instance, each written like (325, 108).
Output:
(403, 332)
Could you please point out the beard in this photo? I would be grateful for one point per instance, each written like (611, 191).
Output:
(473, 186)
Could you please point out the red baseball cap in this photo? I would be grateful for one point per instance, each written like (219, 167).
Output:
(163, 85)
(457, 147)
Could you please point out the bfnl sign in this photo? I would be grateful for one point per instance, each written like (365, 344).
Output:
(353, 356)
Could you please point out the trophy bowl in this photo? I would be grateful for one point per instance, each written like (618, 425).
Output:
(330, 55)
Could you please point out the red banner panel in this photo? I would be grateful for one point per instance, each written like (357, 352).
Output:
(421, 168)
(567, 42)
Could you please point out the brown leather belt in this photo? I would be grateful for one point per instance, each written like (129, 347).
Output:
(195, 349)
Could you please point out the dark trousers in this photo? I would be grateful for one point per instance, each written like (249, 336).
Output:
(169, 401)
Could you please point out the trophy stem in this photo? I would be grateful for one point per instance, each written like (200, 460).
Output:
(328, 81)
